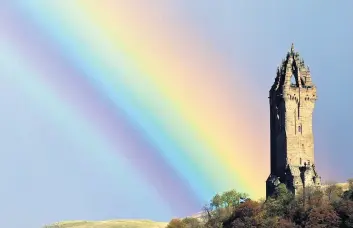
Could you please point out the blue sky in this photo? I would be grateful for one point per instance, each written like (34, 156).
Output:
(258, 34)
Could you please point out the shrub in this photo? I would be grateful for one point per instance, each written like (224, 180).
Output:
(176, 223)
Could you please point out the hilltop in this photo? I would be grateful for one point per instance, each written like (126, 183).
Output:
(129, 223)
(120, 223)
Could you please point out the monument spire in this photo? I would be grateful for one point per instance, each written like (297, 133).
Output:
(291, 134)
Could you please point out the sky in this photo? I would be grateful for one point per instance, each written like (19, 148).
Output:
(146, 109)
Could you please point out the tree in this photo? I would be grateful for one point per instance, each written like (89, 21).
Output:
(216, 201)
(232, 198)
(221, 206)
(176, 223)
(348, 195)
(276, 222)
(212, 217)
(344, 209)
(282, 210)
(333, 192)
(313, 196)
(322, 216)
(281, 204)
(192, 222)
(350, 183)
(244, 223)
(246, 214)
(285, 223)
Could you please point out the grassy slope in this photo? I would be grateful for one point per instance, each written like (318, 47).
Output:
(119, 223)
(109, 224)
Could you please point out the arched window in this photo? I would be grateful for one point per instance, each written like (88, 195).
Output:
(300, 129)
(293, 81)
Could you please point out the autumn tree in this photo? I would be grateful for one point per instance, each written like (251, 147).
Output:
(245, 215)
(192, 222)
(285, 223)
(176, 223)
(312, 207)
(344, 209)
(322, 216)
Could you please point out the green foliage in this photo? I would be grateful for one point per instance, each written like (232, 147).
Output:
(221, 207)
(227, 199)
(232, 198)
(281, 204)
(216, 201)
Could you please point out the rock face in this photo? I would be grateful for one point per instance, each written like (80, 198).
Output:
(292, 101)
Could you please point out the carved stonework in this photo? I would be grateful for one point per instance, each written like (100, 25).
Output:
(292, 101)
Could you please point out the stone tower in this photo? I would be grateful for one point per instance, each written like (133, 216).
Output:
(292, 100)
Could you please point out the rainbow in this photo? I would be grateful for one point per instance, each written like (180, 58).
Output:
(146, 89)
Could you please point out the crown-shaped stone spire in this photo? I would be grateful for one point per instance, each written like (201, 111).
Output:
(293, 64)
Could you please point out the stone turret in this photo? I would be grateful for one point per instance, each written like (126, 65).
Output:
(292, 101)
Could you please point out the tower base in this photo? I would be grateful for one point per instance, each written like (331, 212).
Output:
(296, 178)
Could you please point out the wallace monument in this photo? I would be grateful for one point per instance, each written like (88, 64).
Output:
(292, 101)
